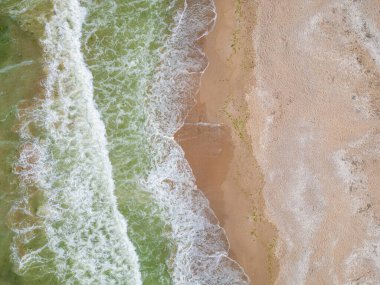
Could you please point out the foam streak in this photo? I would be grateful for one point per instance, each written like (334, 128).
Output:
(76, 225)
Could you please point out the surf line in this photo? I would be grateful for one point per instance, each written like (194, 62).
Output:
(78, 226)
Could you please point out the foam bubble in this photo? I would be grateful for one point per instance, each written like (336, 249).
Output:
(122, 43)
(73, 229)
(201, 256)
(145, 84)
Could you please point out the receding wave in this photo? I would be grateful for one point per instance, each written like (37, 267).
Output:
(77, 188)
(201, 256)
(147, 72)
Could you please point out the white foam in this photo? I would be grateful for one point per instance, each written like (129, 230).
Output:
(78, 227)
(199, 244)
(202, 247)
(204, 124)
(8, 68)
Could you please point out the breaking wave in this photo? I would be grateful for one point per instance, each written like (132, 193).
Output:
(74, 228)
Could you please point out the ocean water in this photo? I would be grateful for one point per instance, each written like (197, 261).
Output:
(94, 189)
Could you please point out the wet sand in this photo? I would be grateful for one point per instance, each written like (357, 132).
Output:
(218, 147)
(287, 130)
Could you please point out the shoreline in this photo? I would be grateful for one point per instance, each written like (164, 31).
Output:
(218, 147)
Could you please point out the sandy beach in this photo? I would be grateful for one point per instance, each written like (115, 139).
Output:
(218, 146)
(317, 88)
(284, 139)
(98, 184)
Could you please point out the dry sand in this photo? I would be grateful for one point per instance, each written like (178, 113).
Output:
(316, 134)
(217, 145)
(287, 130)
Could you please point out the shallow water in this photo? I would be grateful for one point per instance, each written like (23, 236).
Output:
(19, 81)
(94, 188)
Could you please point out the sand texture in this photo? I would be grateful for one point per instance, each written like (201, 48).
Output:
(218, 146)
(317, 98)
(285, 138)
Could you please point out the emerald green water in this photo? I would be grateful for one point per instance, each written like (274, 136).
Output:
(93, 187)
(20, 42)
(18, 84)
(60, 217)
(122, 43)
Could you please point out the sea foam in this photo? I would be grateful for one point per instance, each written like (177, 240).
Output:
(147, 72)
(64, 156)
(201, 255)
(73, 230)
